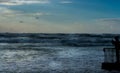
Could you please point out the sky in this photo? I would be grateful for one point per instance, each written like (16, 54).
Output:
(60, 16)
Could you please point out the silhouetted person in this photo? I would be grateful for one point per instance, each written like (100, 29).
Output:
(116, 43)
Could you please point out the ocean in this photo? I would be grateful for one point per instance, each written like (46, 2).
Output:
(53, 53)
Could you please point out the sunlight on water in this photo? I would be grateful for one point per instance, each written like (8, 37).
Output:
(17, 55)
(71, 53)
(55, 65)
(52, 60)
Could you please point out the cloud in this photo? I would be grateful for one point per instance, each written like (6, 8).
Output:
(21, 2)
(110, 21)
(39, 14)
(4, 10)
(66, 2)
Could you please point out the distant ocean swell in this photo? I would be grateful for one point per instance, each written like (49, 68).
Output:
(58, 39)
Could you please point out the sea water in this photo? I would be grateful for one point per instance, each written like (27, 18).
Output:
(53, 53)
(55, 59)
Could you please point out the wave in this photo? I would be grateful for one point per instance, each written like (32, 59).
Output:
(59, 39)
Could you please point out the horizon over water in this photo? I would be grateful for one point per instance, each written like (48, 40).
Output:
(65, 39)
(58, 36)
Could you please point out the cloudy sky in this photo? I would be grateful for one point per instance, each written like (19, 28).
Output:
(60, 16)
